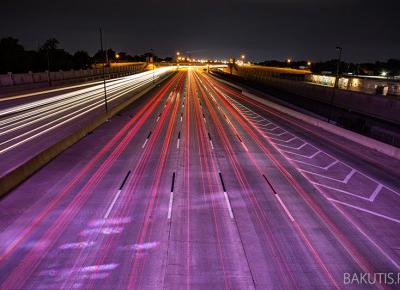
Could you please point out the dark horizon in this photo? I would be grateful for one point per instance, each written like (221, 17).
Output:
(261, 29)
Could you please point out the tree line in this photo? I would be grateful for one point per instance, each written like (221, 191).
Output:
(388, 68)
(50, 56)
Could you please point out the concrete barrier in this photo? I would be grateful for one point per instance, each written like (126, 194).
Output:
(10, 79)
(19, 174)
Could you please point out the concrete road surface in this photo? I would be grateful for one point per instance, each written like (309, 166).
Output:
(196, 186)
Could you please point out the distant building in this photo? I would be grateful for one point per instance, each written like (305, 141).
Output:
(364, 84)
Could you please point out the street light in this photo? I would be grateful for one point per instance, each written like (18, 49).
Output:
(336, 84)
(308, 63)
(104, 70)
(243, 57)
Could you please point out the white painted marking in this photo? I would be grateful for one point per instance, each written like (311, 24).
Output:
(327, 177)
(306, 163)
(285, 208)
(352, 172)
(181, 118)
(171, 199)
(158, 118)
(112, 204)
(177, 144)
(376, 192)
(305, 156)
(341, 190)
(365, 210)
(212, 145)
(296, 148)
(145, 142)
(228, 204)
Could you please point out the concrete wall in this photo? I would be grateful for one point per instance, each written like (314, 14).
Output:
(385, 108)
(10, 79)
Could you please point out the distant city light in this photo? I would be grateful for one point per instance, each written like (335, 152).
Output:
(384, 74)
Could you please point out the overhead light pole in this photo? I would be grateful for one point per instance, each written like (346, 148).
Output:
(104, 71)
(336, 83)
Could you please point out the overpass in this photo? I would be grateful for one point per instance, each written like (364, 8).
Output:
(187, 181)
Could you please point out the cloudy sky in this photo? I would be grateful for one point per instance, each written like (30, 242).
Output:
(262, 29)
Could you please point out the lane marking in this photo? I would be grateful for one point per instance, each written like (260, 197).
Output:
(376, 192)
(301, 155)
(171, 197)
(279, 199)
(284, 208)
(112, 204)
(342, 191)
(116, 195)
(171, 200)
(228, 204)
(365, 210)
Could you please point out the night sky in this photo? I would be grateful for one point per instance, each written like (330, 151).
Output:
(262, 29)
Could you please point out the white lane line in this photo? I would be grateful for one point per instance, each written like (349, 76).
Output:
(365, 210)
(171, 199)
(347, 178)
(112, 204)
(212, 145)
(228, 204)
(145, 142)
(284, 208)
(350, 175)
(309, 164)
(277, 135)
(341, 190)
(376, 192)
(305, 156)
(296, 148)
(177, 144)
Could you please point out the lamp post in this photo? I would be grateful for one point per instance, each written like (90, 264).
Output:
(177, 59)
(243, 57)
(104, 72)
(153, 62)
(336, 84)
(48, 66)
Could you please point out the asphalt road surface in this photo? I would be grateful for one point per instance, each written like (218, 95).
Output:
(197, 186)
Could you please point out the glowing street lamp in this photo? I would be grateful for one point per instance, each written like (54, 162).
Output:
(308, 63)
(384, 74)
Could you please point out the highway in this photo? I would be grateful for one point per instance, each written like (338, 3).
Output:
(32, 122)
(197, 186)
